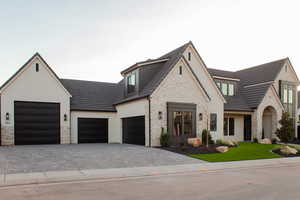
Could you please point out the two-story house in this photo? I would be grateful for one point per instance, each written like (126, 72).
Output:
(175, 92)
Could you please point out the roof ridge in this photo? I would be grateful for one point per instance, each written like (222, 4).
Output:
(260, 65)
(87, 81)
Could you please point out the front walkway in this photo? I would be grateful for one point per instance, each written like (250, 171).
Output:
(44, 158)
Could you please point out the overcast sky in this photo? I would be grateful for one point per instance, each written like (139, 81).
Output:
(95, 40)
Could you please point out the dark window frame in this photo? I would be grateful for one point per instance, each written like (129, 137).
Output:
(213, 122)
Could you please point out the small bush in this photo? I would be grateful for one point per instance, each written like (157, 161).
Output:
(205, 134)
(165, 139)
(255, 140)
(219, 142)
(274, 141)
(286, 131)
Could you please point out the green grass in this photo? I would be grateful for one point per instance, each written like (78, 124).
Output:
(245, 151)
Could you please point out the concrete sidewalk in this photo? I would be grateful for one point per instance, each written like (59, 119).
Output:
(106, 174)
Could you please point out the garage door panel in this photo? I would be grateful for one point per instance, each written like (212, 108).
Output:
(37, 123)
(92, 130)
(134, 130)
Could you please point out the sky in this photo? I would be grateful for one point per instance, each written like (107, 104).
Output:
(96, 40)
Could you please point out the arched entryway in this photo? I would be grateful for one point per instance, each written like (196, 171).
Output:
(269, 122)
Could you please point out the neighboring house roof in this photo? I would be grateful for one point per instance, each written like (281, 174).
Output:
(25, 65)
(253, 85)
(92, 96)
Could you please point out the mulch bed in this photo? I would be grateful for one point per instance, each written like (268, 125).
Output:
(192, 150)
(277, 151)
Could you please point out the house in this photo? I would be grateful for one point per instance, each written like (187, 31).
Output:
(298, 116)
(175, 92)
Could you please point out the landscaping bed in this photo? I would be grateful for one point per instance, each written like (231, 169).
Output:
(188, 150)
(277, 151)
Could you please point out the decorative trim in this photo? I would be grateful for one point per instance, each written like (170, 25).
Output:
(225, 78)
(257, 84)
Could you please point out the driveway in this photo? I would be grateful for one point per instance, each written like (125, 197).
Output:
(42, 158)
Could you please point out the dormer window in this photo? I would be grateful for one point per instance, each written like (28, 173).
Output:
(131, 82)
(226, 88)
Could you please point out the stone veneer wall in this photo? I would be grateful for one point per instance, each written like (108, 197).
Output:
(257, 117)
(7, 135)
(181, 89)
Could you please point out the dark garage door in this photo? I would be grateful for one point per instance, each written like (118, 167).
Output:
(134, 130)
(37, 123)
(92, 130)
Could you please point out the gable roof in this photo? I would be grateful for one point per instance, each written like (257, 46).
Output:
(25, 65)
(91, 95)
(253, 85)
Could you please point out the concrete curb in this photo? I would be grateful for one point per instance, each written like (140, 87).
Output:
(106, 174)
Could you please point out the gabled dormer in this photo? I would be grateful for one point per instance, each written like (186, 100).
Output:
(138, 76)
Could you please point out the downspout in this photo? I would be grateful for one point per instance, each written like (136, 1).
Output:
(149, 112)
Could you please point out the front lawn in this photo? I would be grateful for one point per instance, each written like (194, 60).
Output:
(246, 151)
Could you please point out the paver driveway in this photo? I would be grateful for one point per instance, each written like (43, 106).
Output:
(41, 158)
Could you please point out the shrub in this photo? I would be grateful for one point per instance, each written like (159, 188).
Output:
(255, 140)
(286, 131)
(219, 142)
(206, 137)
(274, 141)
(165, 139)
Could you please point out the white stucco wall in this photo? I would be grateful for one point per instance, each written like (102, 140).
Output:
(34, 86)
(134, 109)
(238, 128)
(182, 89)
(114, 134)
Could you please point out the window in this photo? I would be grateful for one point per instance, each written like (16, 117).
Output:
(189, 56)
(213, 122)
(231, 126)
(37, 67)
(180, 70)
(285, 95)
(230, 89)
(290, 96)
(131, 82)
(225, 89)
(228, 126)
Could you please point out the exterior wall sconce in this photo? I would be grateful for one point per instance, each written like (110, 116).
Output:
(7, 116)
(200, 117)
(65, 117)
(159, 115)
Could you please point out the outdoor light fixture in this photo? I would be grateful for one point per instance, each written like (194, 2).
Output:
(159, 115)
(7, 116)
(65, 117)
(200, 116)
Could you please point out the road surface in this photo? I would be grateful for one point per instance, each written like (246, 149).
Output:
(277, 182)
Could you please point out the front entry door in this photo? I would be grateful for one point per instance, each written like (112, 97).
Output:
(247, 128)
(182, 123)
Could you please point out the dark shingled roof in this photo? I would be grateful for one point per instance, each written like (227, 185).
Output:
(173, 58)
(249, 98)
(92, 96)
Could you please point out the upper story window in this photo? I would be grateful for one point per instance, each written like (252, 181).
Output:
(131, 82)
(189, 56)
(288, 95)
(227, 89)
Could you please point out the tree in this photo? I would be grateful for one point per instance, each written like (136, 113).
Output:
(286, 131)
